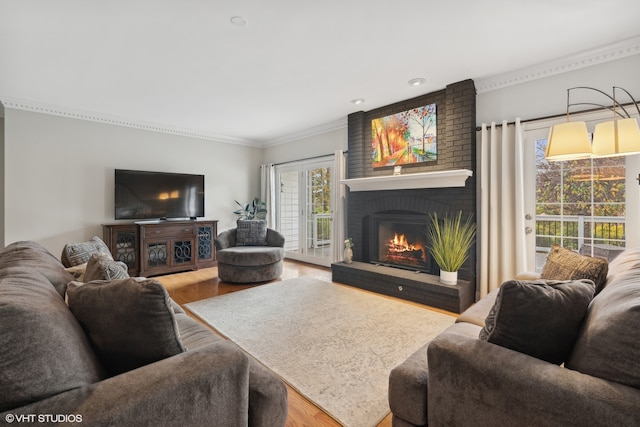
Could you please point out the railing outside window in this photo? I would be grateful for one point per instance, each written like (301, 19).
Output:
(574, 231)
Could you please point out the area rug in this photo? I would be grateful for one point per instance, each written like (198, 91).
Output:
(333, 344)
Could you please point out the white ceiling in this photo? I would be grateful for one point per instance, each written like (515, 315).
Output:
(182, 66)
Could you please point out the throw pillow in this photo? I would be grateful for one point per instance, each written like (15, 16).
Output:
(565, 264)
(130, 322)
(539, 318)
(251, 232)
(79, 253)
(102, 267)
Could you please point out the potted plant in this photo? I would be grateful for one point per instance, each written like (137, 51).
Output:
(254, 209)
(449, 242)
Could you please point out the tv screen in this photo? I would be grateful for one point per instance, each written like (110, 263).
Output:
(158, 195)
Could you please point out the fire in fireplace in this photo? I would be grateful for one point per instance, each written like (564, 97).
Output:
(400, 240)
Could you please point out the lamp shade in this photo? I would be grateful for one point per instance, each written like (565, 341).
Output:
(568, 141)
(609, 141)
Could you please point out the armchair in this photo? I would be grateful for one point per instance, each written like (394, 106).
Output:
(249, 257)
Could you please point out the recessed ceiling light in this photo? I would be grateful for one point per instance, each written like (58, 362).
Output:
(357, 101)
(238, 21)
(416, 82)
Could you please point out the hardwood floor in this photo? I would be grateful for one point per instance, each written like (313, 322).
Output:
(196, 285)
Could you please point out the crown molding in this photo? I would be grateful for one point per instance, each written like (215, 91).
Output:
(56, 110)
(618, 50)
(341, 123)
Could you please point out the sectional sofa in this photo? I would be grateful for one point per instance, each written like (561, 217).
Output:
(73, 364)
(534, 353)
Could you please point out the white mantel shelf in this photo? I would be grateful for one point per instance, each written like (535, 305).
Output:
(438, 179)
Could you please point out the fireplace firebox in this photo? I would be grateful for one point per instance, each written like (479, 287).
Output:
(400, 240)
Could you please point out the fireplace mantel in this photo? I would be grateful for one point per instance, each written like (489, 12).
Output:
(438, 179)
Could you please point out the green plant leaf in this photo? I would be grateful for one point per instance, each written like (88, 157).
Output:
(251, 210)
(449, 241)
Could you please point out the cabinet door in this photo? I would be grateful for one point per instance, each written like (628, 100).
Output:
(206, 234)
(122, 241)
(167, 255)
(183, 251)
(155, 255)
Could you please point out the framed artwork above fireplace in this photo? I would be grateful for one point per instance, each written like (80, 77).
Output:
(405, 138)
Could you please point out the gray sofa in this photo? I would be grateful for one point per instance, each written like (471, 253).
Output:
(252, 260)
(53, 368)
(461, 379)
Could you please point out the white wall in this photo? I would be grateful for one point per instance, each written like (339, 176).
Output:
(304, 148)
(59, 174)
(548, 96)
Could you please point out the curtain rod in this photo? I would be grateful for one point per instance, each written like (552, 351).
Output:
(307, 158)
(555, 116)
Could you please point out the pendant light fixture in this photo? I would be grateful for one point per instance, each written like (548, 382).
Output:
(618, 137)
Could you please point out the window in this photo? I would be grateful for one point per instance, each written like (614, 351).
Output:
(590, 205)
(580, 203)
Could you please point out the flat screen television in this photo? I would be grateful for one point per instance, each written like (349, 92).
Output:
(158, 195)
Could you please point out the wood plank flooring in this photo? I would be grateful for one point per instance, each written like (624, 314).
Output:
(196, 285)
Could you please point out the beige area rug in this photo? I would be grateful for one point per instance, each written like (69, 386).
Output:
(335, 345)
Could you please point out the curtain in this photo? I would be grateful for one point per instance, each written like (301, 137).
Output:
(339, 204)
(501, 226)
(268, 192)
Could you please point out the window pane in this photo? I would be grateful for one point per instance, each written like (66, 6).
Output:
(580, 204)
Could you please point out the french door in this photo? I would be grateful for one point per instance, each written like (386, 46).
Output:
(588, 205)
(304, 211)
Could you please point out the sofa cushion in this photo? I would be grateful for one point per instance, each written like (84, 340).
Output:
(102, 267)
(79, 253)
(250, 255)
(627, 263)
(478, 312)
(35, 258)
(251, 232)
(43, 349)
(130, 322)
(565, 264)
(539, 318)
(408, 382)
(608, 344)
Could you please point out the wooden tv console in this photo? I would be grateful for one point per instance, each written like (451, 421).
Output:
(151, 248)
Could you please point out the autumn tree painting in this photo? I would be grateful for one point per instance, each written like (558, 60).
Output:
(405, 138)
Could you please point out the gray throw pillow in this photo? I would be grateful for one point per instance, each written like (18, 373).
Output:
(130, 322)
(251, 232)
(539, 318)
(565, 264)
(102, 267)
(79, 253)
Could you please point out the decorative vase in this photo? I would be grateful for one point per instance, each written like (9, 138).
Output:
(348, 255)
(449, 277)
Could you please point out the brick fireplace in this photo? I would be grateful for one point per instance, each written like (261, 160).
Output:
(374, 210)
